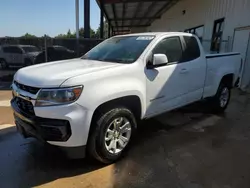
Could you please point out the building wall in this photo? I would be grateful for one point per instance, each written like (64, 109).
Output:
(205, 12)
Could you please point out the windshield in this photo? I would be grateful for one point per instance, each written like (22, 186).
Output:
(120, 49)
(28, 49)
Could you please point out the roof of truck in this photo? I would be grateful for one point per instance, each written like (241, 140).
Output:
(157, 34)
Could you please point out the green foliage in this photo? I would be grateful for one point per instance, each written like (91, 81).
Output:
(73, 35)
(27, 35)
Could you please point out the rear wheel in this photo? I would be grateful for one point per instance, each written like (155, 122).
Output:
(112, 133)
(221, 99)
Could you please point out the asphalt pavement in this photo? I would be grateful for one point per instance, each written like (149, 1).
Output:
(188, 148)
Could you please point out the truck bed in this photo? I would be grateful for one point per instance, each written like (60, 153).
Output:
(208, 56)
(219, 65)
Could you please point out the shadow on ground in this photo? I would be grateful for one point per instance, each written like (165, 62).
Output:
(164, 154)
(28, 163)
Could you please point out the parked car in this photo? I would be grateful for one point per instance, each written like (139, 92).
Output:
(55, 53)
(17, 55)
(94, 103)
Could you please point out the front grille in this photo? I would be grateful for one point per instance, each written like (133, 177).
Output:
(32, 90)
(25, 106)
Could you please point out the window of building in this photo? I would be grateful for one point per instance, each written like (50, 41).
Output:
(171, 47)
(198, 31)
(192, 49)
(217, 35)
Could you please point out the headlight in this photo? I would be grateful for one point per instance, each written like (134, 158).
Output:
(50, 97)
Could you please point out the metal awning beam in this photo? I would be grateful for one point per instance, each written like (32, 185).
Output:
(139, 6)
(133, 26)
(137, 18)
(127, 30)
(114, 12)
(164, 8)
(130, 1)
(150, 8)
(124, 7)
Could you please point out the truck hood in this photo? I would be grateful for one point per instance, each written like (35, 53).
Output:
(53, 74)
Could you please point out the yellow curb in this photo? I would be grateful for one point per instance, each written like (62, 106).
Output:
(5, 126)
(5, 103)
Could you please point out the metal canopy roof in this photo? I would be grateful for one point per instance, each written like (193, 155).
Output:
(126, 14)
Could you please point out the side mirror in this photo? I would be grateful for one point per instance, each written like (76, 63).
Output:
(159, 59)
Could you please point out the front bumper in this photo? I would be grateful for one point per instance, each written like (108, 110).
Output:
(77, 117)
(63, 127)
(41, 128)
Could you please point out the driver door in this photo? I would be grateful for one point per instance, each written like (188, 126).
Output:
(166, 85)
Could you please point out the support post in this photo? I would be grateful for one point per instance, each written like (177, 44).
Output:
(86, 18)
(101, 20)
(109, 30)
(45, 48)
(77, 26)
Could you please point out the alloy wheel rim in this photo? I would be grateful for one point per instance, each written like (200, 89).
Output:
(117, 135)
(224, 97)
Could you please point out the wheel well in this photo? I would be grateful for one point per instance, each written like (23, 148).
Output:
(133, 103)
(228, 80)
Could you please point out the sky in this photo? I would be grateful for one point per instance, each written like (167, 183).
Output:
(39, 17)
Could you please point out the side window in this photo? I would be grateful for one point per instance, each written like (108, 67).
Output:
(192, 49)
(16, 50)
(171, 47)
(7, 50)
(12, 49)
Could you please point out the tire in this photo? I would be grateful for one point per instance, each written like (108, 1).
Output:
(3, 64)
(104, 136)
(221, 100)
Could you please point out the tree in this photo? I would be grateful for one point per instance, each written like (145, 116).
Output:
(92, 32)
(105, 30)
(73, 35)
(27, 35)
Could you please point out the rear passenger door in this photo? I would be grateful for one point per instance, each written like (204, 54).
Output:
(193, 69)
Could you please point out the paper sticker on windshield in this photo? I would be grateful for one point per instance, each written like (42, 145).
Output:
(145, 38)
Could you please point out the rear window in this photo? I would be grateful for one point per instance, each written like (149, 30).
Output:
(192, 50)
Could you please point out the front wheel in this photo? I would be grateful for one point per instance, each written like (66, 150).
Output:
(221, 99)
(111, 135)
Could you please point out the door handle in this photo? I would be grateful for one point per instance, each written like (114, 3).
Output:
(184, 71)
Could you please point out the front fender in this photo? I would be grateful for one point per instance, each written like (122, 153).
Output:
(101, 92)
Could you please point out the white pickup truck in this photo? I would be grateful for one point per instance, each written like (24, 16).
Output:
(92, 104)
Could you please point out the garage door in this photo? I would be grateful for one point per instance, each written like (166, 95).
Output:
(241, 44)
